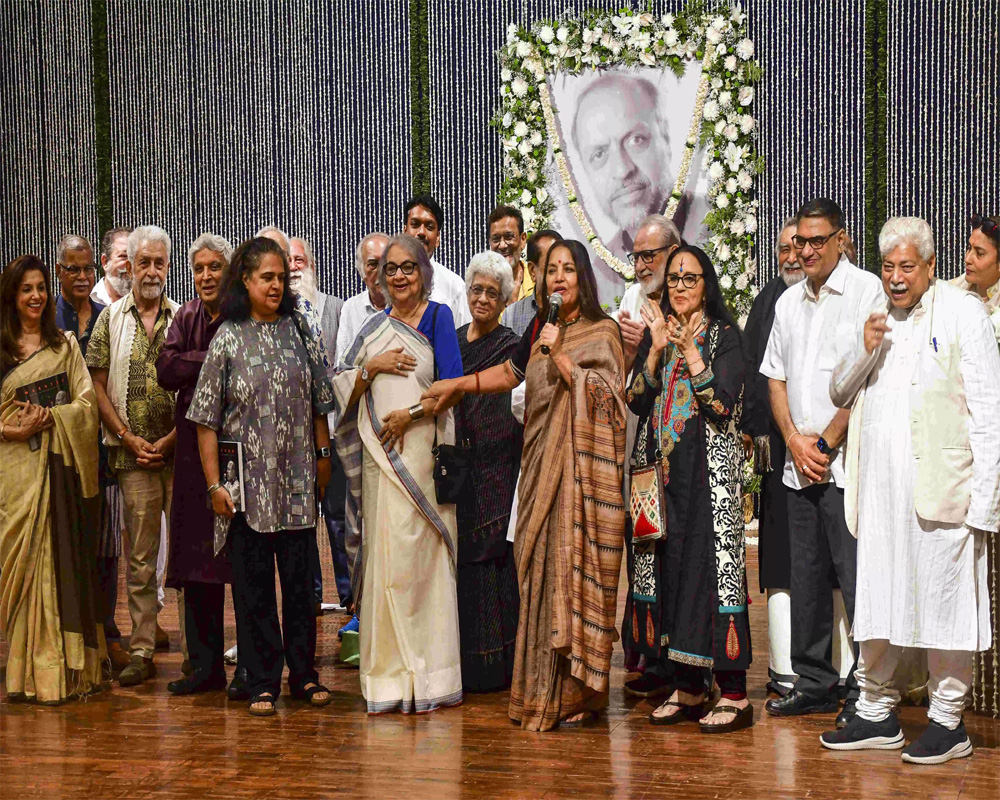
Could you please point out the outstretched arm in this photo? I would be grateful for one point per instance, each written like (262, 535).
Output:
(448, 393)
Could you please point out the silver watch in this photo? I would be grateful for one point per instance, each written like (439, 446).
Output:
(365, 376)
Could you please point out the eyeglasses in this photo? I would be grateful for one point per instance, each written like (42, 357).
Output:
(406, 268)
(76, 271)
(507, 238)
(371, 265)
(988, 226)
(690, 280)
(647, 256)
(478, 291)
(816, 242)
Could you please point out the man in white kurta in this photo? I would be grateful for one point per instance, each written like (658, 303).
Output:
(923, 467)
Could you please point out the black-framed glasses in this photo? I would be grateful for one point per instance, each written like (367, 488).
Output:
(688, 281)
(406, 268)
(815, 242)
(988, 226)
(647, 256)
(478, 291)
(506, 238)
(90, 269)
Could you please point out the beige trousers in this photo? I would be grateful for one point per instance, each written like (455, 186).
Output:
(146, 497)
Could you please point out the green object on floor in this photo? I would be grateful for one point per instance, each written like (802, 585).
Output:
(350, 648)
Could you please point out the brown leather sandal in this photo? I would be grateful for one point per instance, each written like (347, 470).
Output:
(744, 719)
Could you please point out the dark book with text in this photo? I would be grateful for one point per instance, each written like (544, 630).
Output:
(49, 392)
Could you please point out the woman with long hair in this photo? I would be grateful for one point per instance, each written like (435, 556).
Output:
(687, 605)
(49, 500)
(569, 538)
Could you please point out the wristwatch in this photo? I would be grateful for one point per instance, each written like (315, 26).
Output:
(323, 452)
(823, 447)
(365, 376)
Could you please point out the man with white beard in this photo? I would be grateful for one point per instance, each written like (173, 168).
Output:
(116, 282)
(137, 416)
(922, 380)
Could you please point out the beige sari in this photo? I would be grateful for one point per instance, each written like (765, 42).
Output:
(49, 525)
(570, 528)
(401, 544)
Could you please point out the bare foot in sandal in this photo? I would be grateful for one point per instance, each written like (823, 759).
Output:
(673, 705)
(262, 705)
(715, 717)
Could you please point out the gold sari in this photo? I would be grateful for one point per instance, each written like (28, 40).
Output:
(570, 528)
(49, 524)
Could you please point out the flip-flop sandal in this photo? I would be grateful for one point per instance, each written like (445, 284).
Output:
(686, 713)
(744, 719)
(309, 695)
(589, 718)
(263, 697)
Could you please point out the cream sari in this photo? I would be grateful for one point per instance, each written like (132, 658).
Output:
(400, 542)
(49, 525)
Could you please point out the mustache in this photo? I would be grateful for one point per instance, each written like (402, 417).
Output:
(897, 287)
(630, 185)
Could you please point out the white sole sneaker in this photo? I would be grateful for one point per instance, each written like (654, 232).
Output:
(960, 750)
(871, 743)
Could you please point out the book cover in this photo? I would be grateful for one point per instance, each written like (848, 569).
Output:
(231, 472)
(49, 392)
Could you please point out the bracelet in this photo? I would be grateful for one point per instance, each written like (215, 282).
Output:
(416, 411)
(214, 488)
(121, 434)
(788, 441)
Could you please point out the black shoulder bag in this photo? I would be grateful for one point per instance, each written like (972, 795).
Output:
(452, 462)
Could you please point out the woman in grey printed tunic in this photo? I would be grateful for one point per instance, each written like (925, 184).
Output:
(263, 385)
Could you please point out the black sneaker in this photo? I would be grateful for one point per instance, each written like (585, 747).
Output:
(647, 686)
(860, 734)
(938, 744)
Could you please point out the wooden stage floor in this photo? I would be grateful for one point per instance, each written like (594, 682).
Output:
(143, 742)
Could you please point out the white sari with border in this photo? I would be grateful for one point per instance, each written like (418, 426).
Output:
(401, 544)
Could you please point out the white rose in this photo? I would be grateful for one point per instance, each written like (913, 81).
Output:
(725, 99)
(519, 87)
(730, 63)
(507, 120)
(524, 148)
(711, 110)
(716, 83)
(670, 38)
(745, 180)
(737, 228)
(536, 138)
(751, 223)
(525, 197)
(726, 282)
(731, 185)
(745, 49)
(521, 129)
(722, 201)
(716, 171)
(746, 123)
(562, 34)
(746, 95)
(732, 134)
(742, 281)
(541, 194)
(722, 252)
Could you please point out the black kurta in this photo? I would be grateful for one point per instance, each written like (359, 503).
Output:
(772, 554)
(487, 578)
(688, 591)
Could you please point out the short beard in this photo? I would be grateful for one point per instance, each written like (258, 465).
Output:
(121, 284)
(791, 279)
(151, 291)
(651, 285)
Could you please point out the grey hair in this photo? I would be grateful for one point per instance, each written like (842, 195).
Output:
(491, 265)
(416, 251)
(213, 242)
(665, 226)
(790, 222)
(642, 84)
(147, 234)
(71, 241)
(359, 255)
(274, 229)
(906, 230)
(307, 249)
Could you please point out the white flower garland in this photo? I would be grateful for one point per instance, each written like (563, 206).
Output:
(720, 121)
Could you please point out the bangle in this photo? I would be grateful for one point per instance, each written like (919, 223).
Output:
(788, 441)
(416, 411)
(121, 434)
(214, 488)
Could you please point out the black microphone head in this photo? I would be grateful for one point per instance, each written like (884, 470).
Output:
(556, 301)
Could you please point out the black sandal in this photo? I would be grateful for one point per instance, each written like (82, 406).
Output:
(309, 695)
(744, 719)
(589, 718)
(686, 713)
(263, 697)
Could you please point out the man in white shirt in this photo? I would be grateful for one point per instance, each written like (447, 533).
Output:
(424, 219)
(813, 321)
(117, 282)
(369, 300)
(923, 489)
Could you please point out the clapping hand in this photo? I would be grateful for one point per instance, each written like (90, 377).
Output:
(631, 329)
(652, 315)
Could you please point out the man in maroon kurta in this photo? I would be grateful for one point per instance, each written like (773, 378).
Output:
(191, 561)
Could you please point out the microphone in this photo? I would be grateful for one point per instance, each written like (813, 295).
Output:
(555, 303)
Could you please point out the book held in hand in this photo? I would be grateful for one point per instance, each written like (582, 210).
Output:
(231, 472)
(49, 392)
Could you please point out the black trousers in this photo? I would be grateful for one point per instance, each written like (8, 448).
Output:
(819, 539)
(204, 612)
(107, 578)
(266, 645)
(334, 502)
